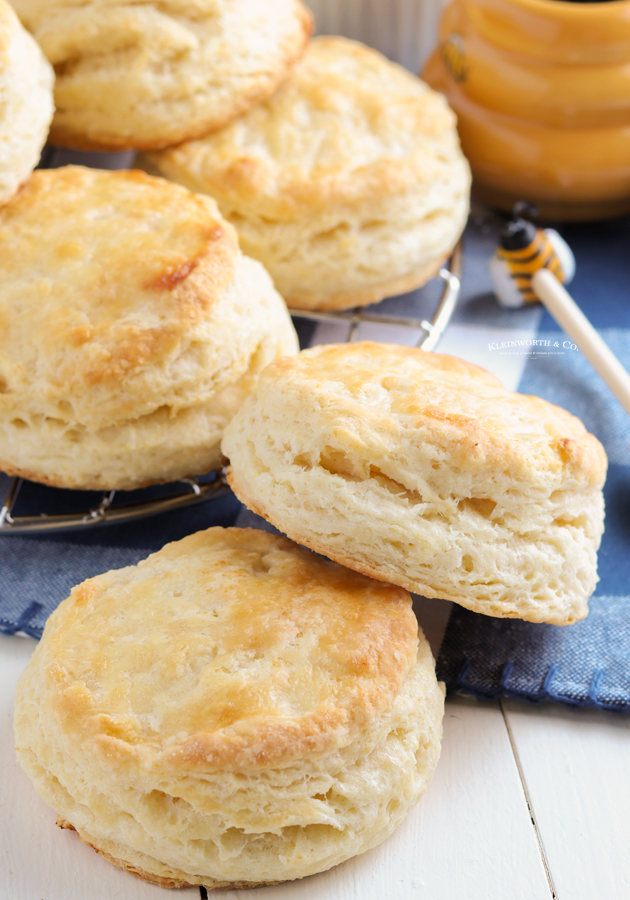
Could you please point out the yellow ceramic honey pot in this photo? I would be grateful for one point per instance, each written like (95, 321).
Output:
(541, 89)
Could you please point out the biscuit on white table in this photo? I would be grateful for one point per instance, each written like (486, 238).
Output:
(233, 711)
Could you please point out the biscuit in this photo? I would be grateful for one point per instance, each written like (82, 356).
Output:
(26, 102)
(233, 711)
(348, 184)
(132, 328)
(148, 75)
(422, 470)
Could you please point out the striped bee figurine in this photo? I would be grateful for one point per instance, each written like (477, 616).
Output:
(523, 249)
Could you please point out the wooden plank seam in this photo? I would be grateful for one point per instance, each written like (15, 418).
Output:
(530, 807)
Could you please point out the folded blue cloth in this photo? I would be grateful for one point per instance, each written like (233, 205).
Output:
(578, 665)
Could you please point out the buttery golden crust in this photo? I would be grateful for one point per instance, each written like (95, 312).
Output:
(26, 103)
(291, 673)
(348, 180)
(131, 329)
(231, 684)
(145, 76)
(422, 470)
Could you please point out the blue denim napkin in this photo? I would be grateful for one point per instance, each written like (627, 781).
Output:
(578, 665)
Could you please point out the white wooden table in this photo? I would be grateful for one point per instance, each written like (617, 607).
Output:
(528, 803)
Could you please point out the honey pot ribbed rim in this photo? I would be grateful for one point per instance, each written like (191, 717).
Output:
(565, 32)
(570, 9)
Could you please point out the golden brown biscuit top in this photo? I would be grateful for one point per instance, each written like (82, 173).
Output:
(230, 648)
(347, 125)
(377, 395)
(108, 281)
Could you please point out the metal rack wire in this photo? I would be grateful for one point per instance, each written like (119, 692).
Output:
(194, 490)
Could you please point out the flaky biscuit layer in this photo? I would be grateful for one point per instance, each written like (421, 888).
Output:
(348, 184)
(133, 328)
(149, 75)
(26, 102)
(422, 470)
(231, 710)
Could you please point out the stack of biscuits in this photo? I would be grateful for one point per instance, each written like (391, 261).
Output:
(237, 710)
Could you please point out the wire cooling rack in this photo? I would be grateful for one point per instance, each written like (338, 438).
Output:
(113, 507)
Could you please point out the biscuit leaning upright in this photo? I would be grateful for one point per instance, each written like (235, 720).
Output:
(26, 102)
(135, 76)
(132, 329)
(348, 184)
(422, 470)
(233, 711)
